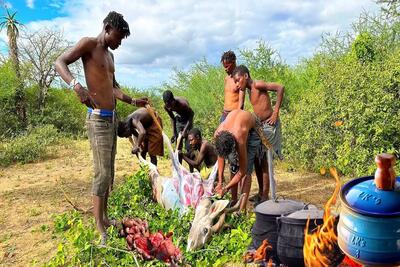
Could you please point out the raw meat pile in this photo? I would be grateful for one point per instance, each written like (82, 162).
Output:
(149, 245)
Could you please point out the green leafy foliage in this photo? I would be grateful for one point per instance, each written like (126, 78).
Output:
(133, 198)
(62, 110)
(363, 47)
(10, 125)
(29, 147)
(350, 115)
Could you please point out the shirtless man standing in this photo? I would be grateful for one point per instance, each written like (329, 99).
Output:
(182, 121)
(233, 98)
(100, 98)
(267, 121)
(202, 154)
(236, 141)
(147, 133)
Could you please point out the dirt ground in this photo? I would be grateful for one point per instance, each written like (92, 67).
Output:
(30, 194)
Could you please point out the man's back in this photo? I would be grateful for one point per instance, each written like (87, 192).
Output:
(238, 122)
(181, 106)
(143, 116)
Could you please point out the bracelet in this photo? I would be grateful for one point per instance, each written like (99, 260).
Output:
(134, 102)
(72, 83)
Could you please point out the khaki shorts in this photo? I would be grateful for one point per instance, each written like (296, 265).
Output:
(102, 133)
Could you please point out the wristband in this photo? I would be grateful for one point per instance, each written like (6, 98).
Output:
(72, 83)
(134, 102)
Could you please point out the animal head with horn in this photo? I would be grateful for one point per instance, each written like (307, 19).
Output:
(206, 213)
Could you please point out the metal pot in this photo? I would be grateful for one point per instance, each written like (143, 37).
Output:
(265, 226)
(369, 225)
(291, 234)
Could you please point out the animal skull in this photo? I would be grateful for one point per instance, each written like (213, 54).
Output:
(202, 226)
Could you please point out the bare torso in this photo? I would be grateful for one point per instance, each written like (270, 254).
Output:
(181, 108)
(143, 116)
(238, 122)
(98, 65)
(231, 94)
(261, 102)
(210, 156)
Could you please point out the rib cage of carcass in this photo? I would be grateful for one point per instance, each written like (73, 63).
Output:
(183, 189)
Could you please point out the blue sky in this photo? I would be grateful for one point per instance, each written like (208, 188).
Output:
(171, 34)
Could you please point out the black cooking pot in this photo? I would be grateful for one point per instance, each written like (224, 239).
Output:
(265, 226)
(291, 234)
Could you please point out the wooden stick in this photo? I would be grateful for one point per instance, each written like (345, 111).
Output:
(89, 210)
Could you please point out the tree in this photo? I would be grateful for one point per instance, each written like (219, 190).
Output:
(39, 50)
(12, 25)
(390, 7)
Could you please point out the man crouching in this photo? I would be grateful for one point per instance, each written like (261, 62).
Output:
(148, 136)
(202, 154)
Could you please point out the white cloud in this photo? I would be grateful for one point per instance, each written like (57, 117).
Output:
(30, 3)
(166, 34)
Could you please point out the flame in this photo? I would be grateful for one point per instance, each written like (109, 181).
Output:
(270, 263)
(321, 246)
(349, 262)
(263, 251)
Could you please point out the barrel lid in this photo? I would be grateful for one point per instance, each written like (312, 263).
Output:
(279, 207)
(362, 196)
(307, 213)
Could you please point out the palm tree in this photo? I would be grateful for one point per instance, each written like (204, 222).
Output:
(11, 24)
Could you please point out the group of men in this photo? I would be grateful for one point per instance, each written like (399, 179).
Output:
(238, 138)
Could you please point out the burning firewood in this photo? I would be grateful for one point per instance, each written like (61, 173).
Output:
(263, 252)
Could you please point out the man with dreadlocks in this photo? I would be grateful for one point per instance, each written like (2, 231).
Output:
(100, 98)
(233, 97)
(268, 125)
(236, 141)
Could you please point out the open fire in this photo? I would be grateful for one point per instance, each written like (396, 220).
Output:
(321, 247)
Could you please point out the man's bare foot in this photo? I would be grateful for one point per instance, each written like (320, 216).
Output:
(103, 240)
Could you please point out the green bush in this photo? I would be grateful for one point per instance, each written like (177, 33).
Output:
(351, 115)
(363, 47)
(62, 110)
(29, 147)
(79, 236)
(10, 124)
